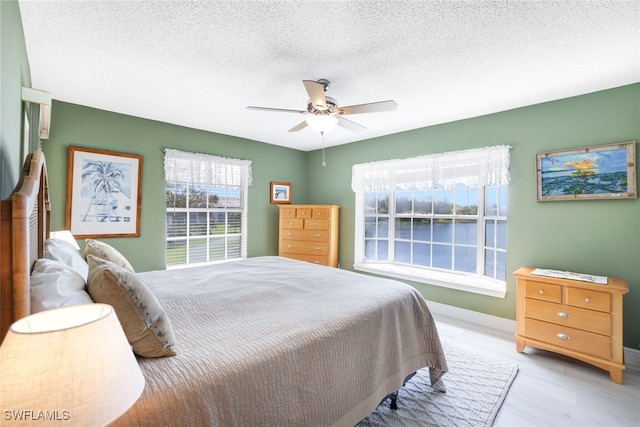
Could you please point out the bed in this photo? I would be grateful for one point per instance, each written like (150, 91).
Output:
(261, 341)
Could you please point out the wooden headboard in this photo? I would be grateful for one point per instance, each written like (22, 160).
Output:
(24, 226)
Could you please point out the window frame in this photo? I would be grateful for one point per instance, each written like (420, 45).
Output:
(476, 282)
(471, 282)
(228, 253)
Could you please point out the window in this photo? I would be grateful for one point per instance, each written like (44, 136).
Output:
(439, 219)
(206, 208)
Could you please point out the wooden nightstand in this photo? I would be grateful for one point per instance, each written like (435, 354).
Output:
(578, 319)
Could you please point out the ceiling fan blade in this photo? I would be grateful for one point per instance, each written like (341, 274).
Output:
(374, 107)
(276, 110)
(348, 124)
(316, 94)
(299, 126)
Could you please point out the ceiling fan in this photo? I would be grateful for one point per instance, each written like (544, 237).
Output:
(323, 112)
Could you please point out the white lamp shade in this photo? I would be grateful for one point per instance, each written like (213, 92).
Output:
(322, 123)
(69, 364)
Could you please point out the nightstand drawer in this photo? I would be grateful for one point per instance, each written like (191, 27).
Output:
(543, 291)
(570, 338)
(560, 314)
(592, 300)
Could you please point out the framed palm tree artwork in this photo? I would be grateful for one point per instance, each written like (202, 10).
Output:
(104, 193)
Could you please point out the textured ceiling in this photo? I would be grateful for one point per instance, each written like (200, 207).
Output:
(200, 63)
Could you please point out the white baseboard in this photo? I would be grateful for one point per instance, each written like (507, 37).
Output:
(495, 322)
(632, 358)
(631, 355)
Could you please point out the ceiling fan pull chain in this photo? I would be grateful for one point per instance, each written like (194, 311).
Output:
(323, 162)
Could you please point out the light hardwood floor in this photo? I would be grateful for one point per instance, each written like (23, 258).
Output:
(550, 390)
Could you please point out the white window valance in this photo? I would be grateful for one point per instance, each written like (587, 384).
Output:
(472, 168)
(182, 166)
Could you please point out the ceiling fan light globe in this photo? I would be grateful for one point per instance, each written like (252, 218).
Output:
(320, 123)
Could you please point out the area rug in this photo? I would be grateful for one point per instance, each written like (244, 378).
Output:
(475, 386)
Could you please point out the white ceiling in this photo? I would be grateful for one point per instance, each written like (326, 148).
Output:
(200, 63)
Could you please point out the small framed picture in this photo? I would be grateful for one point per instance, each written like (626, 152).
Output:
(104, 193)
(280, 192)
(600, 172)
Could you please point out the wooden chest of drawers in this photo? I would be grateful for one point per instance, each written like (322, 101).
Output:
(578, 319)
(309, 233)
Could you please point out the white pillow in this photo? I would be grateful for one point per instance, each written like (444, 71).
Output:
(65, 252)
(55, 284)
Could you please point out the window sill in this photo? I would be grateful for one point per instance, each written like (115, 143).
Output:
(462, 282)
(199, 264)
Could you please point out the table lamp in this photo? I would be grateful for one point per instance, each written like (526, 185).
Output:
(69, 364)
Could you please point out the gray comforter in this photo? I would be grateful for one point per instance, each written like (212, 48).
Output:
(271, 341)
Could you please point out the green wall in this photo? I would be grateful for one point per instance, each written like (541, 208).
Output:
(86, 127)
(14, 73)
(599, 237)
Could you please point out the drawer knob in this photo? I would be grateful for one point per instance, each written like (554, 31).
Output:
(292, 223)
(315, 224)
(289, 246)
(318, 235)
(562, 336)
(316, 262)
(289, 234)
(563, 314)
(541, 292)
(587, 299)
(317, 248)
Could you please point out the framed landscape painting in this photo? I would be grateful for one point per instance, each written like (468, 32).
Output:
(599, 172)
(104, 193)
(280, 192)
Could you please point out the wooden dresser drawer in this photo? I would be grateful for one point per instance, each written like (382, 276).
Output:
(571, 338)
(320, 213)
(314, 259)
(309, 235)
(316, 224)
(294, 223)
(592, 300)
(560, 314)
(303, 212)
(288, 212)
(543, 291)
(301, 247)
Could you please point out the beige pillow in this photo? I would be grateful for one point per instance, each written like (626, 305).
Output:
(107, 252)
(143, 319)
